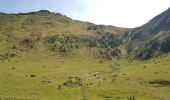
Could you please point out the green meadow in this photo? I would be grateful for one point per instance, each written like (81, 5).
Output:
(41, 76)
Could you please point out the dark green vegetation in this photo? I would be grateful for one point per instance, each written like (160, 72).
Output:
(104, 44)
(46, 56)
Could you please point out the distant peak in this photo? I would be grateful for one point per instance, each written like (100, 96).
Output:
(40, 12)
(44, 11)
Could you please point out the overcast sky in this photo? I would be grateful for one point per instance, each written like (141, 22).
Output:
(122, 13)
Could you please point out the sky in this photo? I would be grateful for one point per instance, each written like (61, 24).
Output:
(121, 13)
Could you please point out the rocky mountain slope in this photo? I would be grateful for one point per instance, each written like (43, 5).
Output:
(151, 39)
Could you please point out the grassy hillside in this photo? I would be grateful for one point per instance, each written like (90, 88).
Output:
(57, 33)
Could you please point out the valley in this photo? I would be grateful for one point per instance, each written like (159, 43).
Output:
(49, 56)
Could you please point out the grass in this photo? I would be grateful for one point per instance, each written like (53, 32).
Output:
(129, 79)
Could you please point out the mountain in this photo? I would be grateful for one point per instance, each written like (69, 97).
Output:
(151, 39)
(63, 35)
(48, 31)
